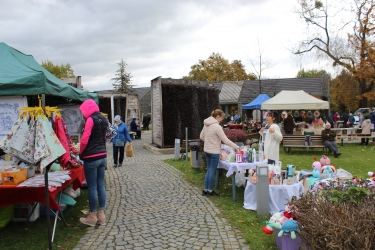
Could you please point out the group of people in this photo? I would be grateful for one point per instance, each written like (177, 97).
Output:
(93, 149)
(213, 136)
(94, 155)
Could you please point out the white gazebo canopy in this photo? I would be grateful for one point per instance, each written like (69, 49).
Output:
(294, 99)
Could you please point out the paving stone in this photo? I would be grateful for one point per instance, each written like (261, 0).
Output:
(151, 206)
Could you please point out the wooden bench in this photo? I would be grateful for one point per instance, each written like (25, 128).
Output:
(132, 134)
(341, 137)
(297, 141)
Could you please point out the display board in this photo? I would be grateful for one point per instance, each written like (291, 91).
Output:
(72, 117)
(9, 112)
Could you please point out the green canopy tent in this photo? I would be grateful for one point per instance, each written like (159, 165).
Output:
(20, 74)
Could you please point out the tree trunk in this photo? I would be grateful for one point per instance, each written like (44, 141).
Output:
(362, 90)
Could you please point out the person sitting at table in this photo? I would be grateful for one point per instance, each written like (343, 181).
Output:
(271, 138)
(351, 121)
(94, 155)
(213, 134)
(366, 131)
(329, 140)
(134, 127)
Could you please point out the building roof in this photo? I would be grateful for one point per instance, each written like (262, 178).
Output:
(251, 89)
(230, 92)
(142, 91)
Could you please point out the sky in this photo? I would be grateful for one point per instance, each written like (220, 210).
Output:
(154, 37)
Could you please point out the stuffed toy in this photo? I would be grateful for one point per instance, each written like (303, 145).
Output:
(274, 218)
(289, 226)
(287, 215)
(327, 171)
(371, 180)
(325, 160)
(316, 164)
(315, 177)
(371, 174)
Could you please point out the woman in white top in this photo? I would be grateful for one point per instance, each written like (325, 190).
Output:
(213, 134)
(271, 137)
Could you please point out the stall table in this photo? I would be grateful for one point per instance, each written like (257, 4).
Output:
(15, 195)
(232, 168)
(279, 196)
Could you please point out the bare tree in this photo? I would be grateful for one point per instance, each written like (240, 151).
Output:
(259, 66)
(356, 54)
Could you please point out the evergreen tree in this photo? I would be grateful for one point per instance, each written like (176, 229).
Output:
(122, 81)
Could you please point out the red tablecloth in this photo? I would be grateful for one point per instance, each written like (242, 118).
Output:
(234, 126)
(13, 195)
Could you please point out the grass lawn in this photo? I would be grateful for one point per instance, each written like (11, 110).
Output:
(33, 235)
(355, 158)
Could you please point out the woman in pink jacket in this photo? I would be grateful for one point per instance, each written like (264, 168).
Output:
(94, 155)
(212, 134)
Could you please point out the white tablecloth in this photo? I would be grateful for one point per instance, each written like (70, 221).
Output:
(232, 167)
(279, 196)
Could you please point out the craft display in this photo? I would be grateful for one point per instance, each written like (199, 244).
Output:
(34, 141)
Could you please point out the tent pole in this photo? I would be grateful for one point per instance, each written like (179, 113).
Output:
(112, 109)
(46, 189)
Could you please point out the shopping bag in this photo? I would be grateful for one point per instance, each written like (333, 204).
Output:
(129, 150)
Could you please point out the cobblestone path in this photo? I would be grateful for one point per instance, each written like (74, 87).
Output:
(150, 206)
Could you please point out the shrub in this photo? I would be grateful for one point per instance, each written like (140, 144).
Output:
(236, 135)
(338, 217)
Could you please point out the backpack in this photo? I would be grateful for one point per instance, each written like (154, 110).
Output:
(307, 142)
(107, 130)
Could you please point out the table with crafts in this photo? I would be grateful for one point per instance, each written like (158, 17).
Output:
(232, 168)
(15, 195)
(279, 195)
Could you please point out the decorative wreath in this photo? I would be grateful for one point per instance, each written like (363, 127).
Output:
(296, 113)
(309, 113)
(316, 114)
(304, 115)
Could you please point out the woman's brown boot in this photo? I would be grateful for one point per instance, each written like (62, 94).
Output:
(90, 220)
(101, 217)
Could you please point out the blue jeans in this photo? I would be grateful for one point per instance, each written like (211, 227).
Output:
(94, 172)
(212, 161)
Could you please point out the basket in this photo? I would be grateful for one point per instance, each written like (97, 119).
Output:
(14, 178)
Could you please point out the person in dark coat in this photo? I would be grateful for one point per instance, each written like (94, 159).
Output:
(134, 127)
(329, 140)
(345, 118)
(289, 124)
(146, 121)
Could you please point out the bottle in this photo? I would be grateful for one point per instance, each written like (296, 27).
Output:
(260, 151)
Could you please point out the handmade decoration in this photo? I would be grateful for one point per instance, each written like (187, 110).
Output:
(325, 160)
(268, 229)
(327, 171)
(290, 226)
(316, 164)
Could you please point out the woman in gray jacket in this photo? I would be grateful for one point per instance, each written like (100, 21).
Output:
(212, 134)
(366, 131)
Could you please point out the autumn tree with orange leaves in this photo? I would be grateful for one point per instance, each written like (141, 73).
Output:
(356, 54)
(217, 69)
